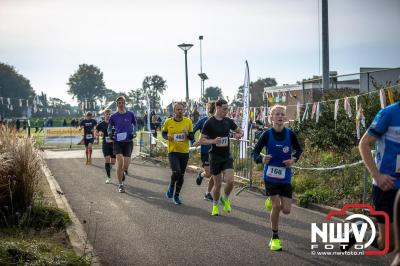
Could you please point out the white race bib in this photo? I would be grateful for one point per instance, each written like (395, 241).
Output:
(223, 142)
(89, 136)
(108, 139)
(121, 136)
(276, 172)
(398, 163)
(180, 137)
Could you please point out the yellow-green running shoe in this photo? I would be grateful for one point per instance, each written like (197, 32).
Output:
(227, 204)
(275, 244)
(268, 204)
(215, 210)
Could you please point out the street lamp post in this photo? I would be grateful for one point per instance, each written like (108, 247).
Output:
(202, 75)
(185, 47)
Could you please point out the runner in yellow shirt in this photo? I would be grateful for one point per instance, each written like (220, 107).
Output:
(178, 130)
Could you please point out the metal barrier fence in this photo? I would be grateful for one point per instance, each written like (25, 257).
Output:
(241, 151)
(145, 143)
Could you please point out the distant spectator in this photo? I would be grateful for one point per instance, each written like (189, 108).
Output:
(18, 125)
(140, 123)
(64, 122)
(195, 115)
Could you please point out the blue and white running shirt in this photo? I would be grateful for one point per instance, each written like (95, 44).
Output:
(386, 128)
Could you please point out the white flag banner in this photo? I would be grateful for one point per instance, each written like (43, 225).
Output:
(347, 106)
(20, 102)
(314, 110)
(298, 108)
(318, 112)
(360, 119)
(148, 113)
(306, 111)
(8, 101)
(153, 140)
(336, 109)
(27, 103)
(382, 97)
(357, 103)
(246, 104)
(1, 99)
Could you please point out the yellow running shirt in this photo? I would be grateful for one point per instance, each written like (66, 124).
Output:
(175, 129)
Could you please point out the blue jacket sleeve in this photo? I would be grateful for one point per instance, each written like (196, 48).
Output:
(199, 125)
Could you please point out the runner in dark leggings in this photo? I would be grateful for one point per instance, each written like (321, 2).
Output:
(107, 146)
(178, 130)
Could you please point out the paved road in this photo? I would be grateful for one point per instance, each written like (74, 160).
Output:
(141, 227)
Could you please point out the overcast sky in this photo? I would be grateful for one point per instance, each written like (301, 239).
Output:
(46, 40)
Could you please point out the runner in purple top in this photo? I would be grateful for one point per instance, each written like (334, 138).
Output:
(122, 128)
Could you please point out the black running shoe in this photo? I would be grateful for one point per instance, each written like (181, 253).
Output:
(126, 172)
(208, 196)
(123, 177)
(199, 179)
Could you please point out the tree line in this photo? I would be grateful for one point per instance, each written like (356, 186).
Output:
(87, 86)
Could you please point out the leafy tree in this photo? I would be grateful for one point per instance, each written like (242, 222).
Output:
(154, 86)
(256, 91)
(109, 95)
(213, 93)
(87, 84)
(15, 86)
(136, 98)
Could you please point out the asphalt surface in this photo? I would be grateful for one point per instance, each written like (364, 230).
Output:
(142, 227)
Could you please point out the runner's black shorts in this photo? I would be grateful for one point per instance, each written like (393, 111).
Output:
(219, 163)
(108, 149)
(124, 148)
(205, 159)
(283, 190)
(87, 141)
(383, 201)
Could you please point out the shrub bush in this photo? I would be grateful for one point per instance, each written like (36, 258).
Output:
(20, 171)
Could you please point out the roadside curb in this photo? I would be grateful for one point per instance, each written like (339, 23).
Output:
(76, 232)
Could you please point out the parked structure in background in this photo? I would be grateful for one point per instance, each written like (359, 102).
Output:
(310, 90)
